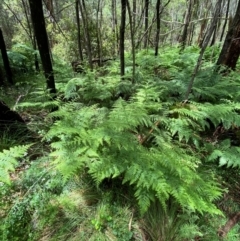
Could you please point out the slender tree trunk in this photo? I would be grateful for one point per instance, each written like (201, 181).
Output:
(42, 42)
(134, 14)
(201, 32)
(122, 35)
(231, 48)
(79, 30)
(139, 26)
(5, 59)
(132, 41)
(31, 36)
(225, 21)
(146, 24)
(187, 20)
(83, 11)
(50, 9)
(99, 36)
(210, 31)
(114, 29)
(158, 4)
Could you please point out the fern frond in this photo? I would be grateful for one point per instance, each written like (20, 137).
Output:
(9, 160)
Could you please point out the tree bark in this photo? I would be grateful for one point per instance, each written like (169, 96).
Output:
(187, 20)
(231, 48)
(122, 34)
(146, 23)
(99, 35)
(31, 35)
(5, 59)
(225, 22)
(132, 40)
(210, 31)
(79, 30)
(83, 11)
(115, 48)
(42, 42)
(158, 4)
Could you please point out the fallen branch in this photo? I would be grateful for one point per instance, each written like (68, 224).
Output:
(232, 221)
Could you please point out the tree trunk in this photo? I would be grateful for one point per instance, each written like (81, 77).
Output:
(158, 26)
(10, 121)
(115, 48)
(231, 48)
(5, 59)
(122, 34)
(225, 21)
(187, 20)
(132, 40)
(99, 28)
(83, 11)
(146, 24)
(134, 14)
(79, 30)
(209, 33)
(42, 42)
(31, 35)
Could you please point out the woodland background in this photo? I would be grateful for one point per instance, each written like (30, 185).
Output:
(119, 120)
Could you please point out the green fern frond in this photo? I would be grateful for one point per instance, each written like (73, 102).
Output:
(226, 154)
(131, 142)
(9, 160)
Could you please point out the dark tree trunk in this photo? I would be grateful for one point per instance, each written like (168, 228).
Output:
(1, 77)
(11, 121)
(158, 26)
(187, 20)
(225, 21)
(114, 28)
(5, 59)
(122, 34)
(42, 42)
(146, 24)
(231, 48)
(79, 30)
(134, 14)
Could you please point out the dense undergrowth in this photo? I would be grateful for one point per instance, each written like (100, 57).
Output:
(124, 159)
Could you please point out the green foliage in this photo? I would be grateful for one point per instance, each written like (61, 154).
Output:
(22, 59)
(9, 160)
(132, 141)
(170, 223)
(26, 210)
(161, 148)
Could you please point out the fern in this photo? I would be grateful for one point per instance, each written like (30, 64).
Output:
(154, 141)
(9, 160)
(132, 141)
(226, 154)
